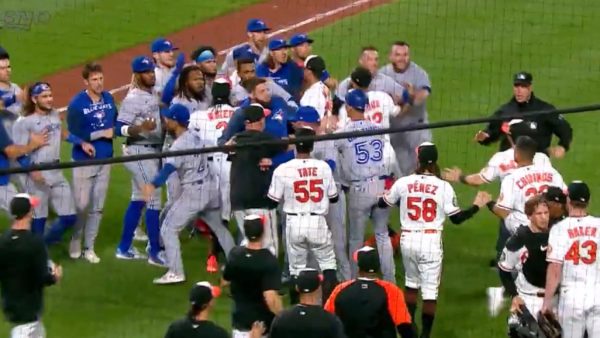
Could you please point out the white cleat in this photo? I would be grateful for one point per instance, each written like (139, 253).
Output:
(495, 298)
(169, 278)
(90, 256)
(75, 248)
(139, 235)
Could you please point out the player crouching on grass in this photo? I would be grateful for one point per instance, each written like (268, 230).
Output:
(197, 196)
(425, 201)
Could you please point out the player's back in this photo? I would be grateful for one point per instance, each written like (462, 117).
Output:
(190, 168)
(527, 182)
(306, 184)
(574, 241)
(361, 158)
(209, 124)
(425, 200)
(503, 163)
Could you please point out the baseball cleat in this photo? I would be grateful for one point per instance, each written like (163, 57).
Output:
(75, 248)
(169, 278)
(131, 254)
(139, 235)
(212, 265)
(157, 260)
(91, 256)
(495, 297)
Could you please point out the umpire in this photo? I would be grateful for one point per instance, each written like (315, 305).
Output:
(524, 101)
(308, 318)
(24, 271)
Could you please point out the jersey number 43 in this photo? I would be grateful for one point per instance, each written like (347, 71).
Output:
(582, 252)
(364, 154)
(309, 190)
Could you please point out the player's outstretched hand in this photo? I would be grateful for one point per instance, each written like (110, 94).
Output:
(515, 306)
(482, 198)
(451, 174)
(149, 124)
(481, 136)
(557, 152)
(147, 192)
(258, 329)
(38, 140)
(89, 149)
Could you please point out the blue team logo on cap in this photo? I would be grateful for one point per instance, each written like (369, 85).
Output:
(162, 45)
(307, 114)
(357, 99)
(299, 39)
(257, 25)
(277, 44)
(179, 113)
(39, 88)
(142, 64)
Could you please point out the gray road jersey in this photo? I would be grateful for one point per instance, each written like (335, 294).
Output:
(138, 106)
(416, 76)
(228, 65)
(190, 168)
(325, 150)
(38, 123)
(193, 104)
(380, 82)
(360, 158)
(12, 112)
(239, 93)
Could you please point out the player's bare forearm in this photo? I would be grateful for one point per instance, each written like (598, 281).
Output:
(15, 151)
(273, 301)
(474, 180)
(500, 212)
(420, 97)
(553, 276)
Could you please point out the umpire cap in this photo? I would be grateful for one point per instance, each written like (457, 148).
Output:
(523, 78)
(253, 227)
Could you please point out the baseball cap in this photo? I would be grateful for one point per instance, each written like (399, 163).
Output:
(276, 44)
(142, 64)
(243, 53)
(308, 280)
(179, 113)
(555, 194)
(522, 78)
(517, 127)
(427, 153)
(162, 45)
(362, 77)
(220, 91)
(254, 113)
(357, 99)
(299, 39)
(257, 25)
(206, 55)
(253, 227)
(367, 259)
(305, 132)
(579, 191)
(39, 88)
(22, 204)
(203, 292)
(315, 63)
(307, 114)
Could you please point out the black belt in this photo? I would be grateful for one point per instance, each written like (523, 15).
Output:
(210, 158)
(382, 177)
(295, 214)
(144, 145)
(49, 162)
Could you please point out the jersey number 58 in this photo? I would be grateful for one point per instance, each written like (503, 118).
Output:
(421, 209)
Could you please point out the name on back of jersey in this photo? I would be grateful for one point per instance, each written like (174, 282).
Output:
(582, 231)
(423, 188)
(220, 114)
(531, 178)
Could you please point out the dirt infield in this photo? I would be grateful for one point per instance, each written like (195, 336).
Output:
(284, 17)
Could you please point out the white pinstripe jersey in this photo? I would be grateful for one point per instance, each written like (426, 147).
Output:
(425, 201)
(304, 186)
(380, 109)
(503, 163)
(573, 242)
(209, 124)
(318, 96)
(522, 184)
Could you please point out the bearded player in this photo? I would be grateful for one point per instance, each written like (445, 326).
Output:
(425, 201)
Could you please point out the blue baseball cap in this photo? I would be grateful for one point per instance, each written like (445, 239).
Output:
(162, 45)
(244, 53)
(206, 55)
(179, 113)
(299, 39)
(307, 114)
(357, 99)
(276, 44)
(142, 64)
(256, 25)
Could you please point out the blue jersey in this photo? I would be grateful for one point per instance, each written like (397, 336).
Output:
(5, 141)
(85, 119)
(245, 49)
(289, 76)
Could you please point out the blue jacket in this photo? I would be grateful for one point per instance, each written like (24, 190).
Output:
(5, 141)
(85, 119)
(289, 76)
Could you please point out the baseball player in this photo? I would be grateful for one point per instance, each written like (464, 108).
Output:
(198, 193)
(279, 68)
(571, 254)
(256, 46)
(425, 201)
(91, 117)
(50, 186)
(139, 122)
(10, 93)
(362, 171)
(162, 52)
(410, 75)
(336, 217)
(305, 186)
(205, 57)
(380, 110)
(301, 48)
(317, 94)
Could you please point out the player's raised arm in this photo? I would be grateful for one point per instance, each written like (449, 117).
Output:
(481, 199)
(455, 174)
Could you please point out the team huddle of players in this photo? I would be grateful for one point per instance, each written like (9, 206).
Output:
(262, 88)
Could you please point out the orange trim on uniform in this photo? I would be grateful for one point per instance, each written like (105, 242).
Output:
(330, 303)
(396, 304)
(426, 231)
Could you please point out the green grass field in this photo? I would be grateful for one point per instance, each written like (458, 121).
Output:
(470, 49)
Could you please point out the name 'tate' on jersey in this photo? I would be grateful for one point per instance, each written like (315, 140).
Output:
(425, 201)
(503, 163)
(209, 124)
(573, 242)
(521, 185)
(305, 185)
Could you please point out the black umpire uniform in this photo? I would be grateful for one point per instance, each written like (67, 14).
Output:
(546, 125)
(305, 319)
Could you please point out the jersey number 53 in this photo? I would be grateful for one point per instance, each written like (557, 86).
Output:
(364, 153)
